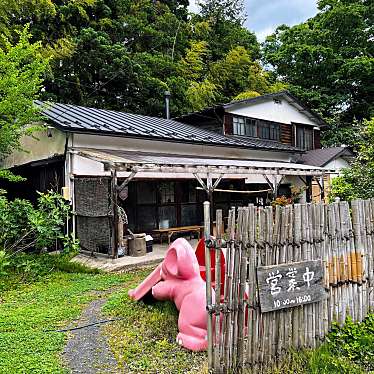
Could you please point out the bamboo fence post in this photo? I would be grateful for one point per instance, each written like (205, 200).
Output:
(276, 248)
(354, 241)
(208, 282)
(304, 257)
(340, 264)
(348, 250)
(367, 256)
(229, 272)
(235, 287)
(325, 258)
(260, 262)
(242, 286)
(333, 249)
(269, 261)
(223, 336)
(371, 258)
(218, 277)
(357, 264)
(309, 256)
(252, 294)
(289, 258)
(284, 250)
(318, 255)
(298, 332)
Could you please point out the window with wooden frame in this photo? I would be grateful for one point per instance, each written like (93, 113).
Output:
(304, 138)
(256, 128)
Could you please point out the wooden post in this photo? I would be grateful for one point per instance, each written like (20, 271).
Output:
(115, 214)
(208, 282)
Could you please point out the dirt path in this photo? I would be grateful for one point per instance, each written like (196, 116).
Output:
(87, 350)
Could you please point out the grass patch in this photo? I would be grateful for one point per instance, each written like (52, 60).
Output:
(144, 342)
(43, 301)
(347, 350)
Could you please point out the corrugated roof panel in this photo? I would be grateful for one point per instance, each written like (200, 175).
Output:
(83, 119)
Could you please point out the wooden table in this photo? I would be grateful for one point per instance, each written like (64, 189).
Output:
(173, 230)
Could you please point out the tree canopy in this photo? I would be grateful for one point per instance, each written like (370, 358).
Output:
(122, 54)
(22, 69)
(328, 61)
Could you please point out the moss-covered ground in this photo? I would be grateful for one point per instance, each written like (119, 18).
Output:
(39, 295)
(47, 293)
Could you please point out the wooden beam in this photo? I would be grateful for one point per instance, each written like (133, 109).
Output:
(195, 169)
(199, 179)
(218, 180)
(236, 191)
(126, 181)
(115, 214)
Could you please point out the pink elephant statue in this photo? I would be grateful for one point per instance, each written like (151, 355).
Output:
(178, 279)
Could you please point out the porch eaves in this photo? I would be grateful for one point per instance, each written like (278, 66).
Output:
(167, 163)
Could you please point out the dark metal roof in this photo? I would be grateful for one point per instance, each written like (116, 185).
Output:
(293, 100)
(321, 157)
(80, 119)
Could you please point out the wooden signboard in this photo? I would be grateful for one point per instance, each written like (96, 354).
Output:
(289, 285)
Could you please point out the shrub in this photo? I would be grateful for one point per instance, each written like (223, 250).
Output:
(23, 226)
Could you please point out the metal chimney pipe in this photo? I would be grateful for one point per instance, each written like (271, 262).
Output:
(167, 104)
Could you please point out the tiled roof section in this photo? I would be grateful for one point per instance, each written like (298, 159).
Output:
(109, 122)
(320, 157)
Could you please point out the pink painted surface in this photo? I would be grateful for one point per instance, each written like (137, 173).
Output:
(181, 282)
(147, 284)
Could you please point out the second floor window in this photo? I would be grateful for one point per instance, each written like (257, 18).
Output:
(304, 138)
(256, 128)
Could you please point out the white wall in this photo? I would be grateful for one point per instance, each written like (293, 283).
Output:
(83, 166)
(42, 148)
(163, 147)
(269, 110)
(338, 164)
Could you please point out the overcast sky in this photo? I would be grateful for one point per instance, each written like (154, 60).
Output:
(265, 15)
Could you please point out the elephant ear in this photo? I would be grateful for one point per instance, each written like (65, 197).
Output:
(180, 260)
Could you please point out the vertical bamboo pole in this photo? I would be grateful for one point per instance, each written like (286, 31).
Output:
(225, 298)
(276, 246)
(218, 277)
(242, 287)
(289, 258)
(340, 266)
(236, 279)
(354, 239)
(230, 275)
(269, 261)
(371, 271)
(251, 338)
(357, 264)
(208, 283)
(348, 257)
(261, 245)
(325, 258)
(298, 332)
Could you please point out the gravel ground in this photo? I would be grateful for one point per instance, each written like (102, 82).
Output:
(87, 350)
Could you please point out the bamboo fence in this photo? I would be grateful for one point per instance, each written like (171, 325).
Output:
(342, 236)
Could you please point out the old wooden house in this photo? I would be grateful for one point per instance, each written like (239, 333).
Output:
(159, 171)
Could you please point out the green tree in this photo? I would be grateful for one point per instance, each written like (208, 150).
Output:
(358, 180)
(328, 62)
(22, 69)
